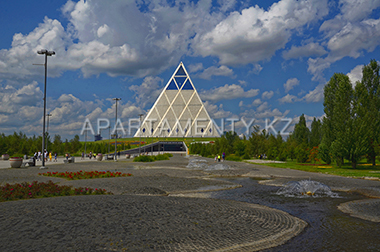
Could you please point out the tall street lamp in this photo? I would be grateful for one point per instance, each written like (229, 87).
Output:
(116, 99)
(46, 53)
(141, 115)
(47, 131)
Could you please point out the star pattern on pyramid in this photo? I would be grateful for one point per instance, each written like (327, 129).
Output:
(178, 111)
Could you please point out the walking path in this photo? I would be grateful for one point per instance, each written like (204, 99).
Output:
(138, 217)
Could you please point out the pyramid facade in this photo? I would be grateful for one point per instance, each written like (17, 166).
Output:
(178, 111)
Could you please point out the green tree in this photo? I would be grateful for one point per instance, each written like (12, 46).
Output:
(315, 133)
(368, 92)
(75, 144)
(338, 105)
(301, 131)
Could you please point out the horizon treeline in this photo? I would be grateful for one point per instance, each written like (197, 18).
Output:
(18, 144)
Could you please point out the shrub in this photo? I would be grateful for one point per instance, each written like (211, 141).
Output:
(233, 157)
(246, 156)
(143, 159)
(161, 157)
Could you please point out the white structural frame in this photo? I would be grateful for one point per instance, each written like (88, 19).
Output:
(193, 107)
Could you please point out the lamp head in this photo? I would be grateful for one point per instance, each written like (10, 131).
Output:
(44, 51)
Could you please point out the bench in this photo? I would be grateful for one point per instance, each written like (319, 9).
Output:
(69, 160)
(30, 162)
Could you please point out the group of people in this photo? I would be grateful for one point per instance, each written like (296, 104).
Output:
(38, 155)
(220, 157)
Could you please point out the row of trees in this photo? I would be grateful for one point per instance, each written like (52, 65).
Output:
(19, 144)
(297, 146)
(350, 129)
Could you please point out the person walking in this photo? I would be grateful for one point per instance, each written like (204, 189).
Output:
(50, 157)
(218, 157)
(55, 157)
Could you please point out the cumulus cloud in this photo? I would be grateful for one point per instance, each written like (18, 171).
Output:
(288, 99)
(216, 71)
(195, 67)
(227, 92)
(148, 91)
(267, 95)
(349, 33)
(290, 84)
(311, 49)
(254, 34)
(256, 102)
(216, 111)
(356, 74)
(315, 95)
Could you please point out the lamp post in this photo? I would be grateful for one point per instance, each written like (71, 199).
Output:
(152, 138)
(109, 138)
(46, 53)
(158, 139)
(47, 131)
(140, 115)
(116, 99)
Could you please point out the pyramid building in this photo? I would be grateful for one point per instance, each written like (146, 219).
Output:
(178, 111)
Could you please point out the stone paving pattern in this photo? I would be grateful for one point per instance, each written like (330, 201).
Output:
(140, 216)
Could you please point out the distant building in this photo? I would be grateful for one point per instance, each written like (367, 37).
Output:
(98, 137)
(178, 111)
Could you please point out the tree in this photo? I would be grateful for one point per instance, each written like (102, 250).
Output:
(301, 131)
(75, 144)
(368, 91)
(338, 106)
(315, 133)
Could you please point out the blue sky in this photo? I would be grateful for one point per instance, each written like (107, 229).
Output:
(247, 59)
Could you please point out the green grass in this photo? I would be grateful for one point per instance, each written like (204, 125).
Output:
(362, 170)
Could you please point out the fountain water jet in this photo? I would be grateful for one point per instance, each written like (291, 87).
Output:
(306, 188)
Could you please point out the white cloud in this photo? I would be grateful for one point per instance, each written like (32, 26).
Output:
(256, 102)
(262, 107)
(356, 74)
(288, 99)
(290, 84)
(348, 34)
(215, 71)
(267, 95)
(148, 92)
(216, 112)
(311, 49)
(315, 95)
(257, 68)
(195, 67)
(227, 92)
(254, 34)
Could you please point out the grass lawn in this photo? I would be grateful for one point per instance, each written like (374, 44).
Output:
(362, 169)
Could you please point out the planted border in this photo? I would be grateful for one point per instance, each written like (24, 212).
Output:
(37, 189)
(85, 175)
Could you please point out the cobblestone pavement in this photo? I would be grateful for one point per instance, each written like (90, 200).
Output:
(140, 218)
(368, 209)
(142, 223)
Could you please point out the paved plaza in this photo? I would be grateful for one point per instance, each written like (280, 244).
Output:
(160, 208)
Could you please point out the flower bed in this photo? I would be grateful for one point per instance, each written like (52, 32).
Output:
(85, 175)
(41, 189)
